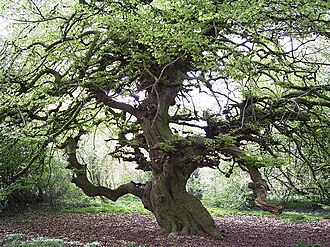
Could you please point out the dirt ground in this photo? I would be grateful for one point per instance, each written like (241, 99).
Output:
(129, 229)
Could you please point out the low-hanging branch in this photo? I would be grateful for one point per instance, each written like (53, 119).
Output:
(80, 177)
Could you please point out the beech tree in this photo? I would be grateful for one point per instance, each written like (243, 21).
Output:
(182, 84)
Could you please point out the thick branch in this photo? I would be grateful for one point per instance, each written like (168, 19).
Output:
(56, 75)
(81, 180)
(102, 97)
(260, 188)
(89, 189)
(258, 184)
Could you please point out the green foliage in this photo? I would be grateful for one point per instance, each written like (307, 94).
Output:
(171, 145)
(226, 140)
(228, 198)
(46, 180)
(195, 185)
(126, 204)
(307, 245)
(260, 159)
(224, 193)
(210, 144)
(299, 203)
(297, 181)
(166, 147)
(16, 240)
(72, 197)
(14, 156)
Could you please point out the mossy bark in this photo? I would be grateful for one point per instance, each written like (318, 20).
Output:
(178, 212)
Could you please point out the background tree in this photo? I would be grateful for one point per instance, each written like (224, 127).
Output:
(45, 181)
(14, 191)
(259, 67)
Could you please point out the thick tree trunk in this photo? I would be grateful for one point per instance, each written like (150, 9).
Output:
(178, 212)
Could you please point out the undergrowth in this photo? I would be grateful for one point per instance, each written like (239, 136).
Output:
(130, 204)
(126, 204)
(297, 217)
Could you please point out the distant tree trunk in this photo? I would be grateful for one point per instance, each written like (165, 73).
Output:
(260, 188)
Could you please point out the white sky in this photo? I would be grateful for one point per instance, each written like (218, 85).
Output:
(3, 27)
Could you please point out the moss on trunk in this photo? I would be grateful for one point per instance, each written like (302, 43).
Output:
(177, 212)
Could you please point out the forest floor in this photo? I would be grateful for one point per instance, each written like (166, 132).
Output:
(135, 229)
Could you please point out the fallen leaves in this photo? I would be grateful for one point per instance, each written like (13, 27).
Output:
(124, 229)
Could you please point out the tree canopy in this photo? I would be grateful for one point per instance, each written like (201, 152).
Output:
(181, 84)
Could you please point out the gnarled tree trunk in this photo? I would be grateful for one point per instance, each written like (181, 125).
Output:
(177, 211)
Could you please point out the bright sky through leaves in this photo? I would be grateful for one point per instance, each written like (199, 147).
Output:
(3, 27)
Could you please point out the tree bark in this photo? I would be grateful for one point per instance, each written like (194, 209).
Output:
(260, 188)
(178, 212)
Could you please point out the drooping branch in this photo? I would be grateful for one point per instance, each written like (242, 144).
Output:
(80, 177)
(258, 185)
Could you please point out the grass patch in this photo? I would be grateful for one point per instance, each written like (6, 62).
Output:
(126, 204)
(285, 216)
(20, 240)
(15, 237)
(15, 240)
(130, 204)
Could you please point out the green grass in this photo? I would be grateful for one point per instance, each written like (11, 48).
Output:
(307, 245)
(129, 204)
(108, 208)
(285, 216)
(15, 240)
(20, 240)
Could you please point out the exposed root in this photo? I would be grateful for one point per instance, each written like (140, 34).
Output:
(192, 228)
(163, 231)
